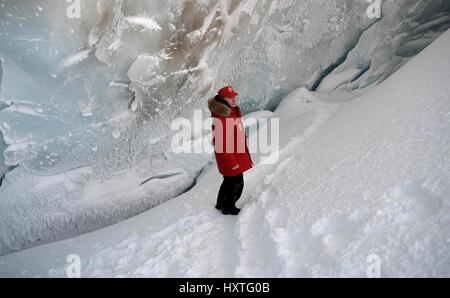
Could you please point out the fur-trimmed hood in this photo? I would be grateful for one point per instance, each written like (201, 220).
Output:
(219, 107)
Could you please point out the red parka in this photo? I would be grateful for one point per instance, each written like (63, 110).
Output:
(229, 138)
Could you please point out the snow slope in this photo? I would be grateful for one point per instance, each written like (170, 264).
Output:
(361, 177)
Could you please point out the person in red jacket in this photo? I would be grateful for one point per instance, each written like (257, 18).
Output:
(230, 148)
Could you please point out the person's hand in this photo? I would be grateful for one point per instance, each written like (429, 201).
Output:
(236, 167)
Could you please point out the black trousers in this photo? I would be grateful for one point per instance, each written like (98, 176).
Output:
(230, 191)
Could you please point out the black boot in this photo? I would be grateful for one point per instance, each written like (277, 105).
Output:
(229, 193)
(224, 193)
(231, 211)
(229, 207)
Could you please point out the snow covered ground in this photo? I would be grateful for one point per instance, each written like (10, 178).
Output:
(357, 177)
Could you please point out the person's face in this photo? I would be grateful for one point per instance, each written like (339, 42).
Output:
(232, 101)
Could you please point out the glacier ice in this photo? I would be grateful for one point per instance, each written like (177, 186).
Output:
(406, 29)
